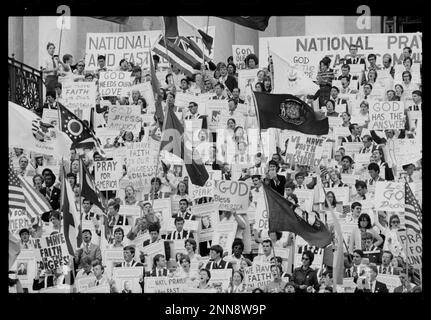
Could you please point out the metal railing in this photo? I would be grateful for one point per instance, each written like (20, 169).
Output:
(25, 84)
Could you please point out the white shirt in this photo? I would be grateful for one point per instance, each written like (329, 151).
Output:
(262, 259)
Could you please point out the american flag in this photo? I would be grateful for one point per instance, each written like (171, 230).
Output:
(413, 212)
(36, 203)
(16, 195)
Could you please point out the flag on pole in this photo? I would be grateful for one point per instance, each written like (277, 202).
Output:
(173, 142)
(156, 90)
(77, 131)
(283, 218)
(180, 26)
(289, 79)
(253, 22)
(119, 20)
(287, 112)
(413, 212)
(70, 216)
(88, 187)
(28, 131)
(16, 195)
(36, 203)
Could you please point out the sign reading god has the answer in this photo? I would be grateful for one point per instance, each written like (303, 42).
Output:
(386, 115)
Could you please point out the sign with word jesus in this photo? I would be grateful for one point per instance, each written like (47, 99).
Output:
(389, 196)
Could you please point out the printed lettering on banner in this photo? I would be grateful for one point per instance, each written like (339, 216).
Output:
(107, 138)
(220, 279)
(165, 284)
(305, 150)
(231, 195)
(84, 283)
(412, 241)
(127, 118)
(305, 52)
(257, 276)
(197, 192)
(127, 279)
(404, 151)
(51, 252)
(389, 196)
(142, 163)
(386, 115)
(361, 161)
(107, 174)
(111, 257)
(18, 219)
(300, 247)
(239, 53)
(135, 47)
(79, 95)
(208, 217)
(114, 83)
(391, 281)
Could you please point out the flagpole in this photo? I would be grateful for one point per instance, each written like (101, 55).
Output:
(61, 33)
(271, 67)
(203, 43)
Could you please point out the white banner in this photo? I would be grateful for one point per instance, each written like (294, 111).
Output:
(107, 174)
(386, 115)
(239, 53)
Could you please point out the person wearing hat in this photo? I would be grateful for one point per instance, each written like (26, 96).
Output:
(346, 165)
(87, 249)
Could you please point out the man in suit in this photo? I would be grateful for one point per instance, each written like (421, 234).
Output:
(354, 58)
(417, 100)
(355, 131)
(334, 97)
(159, 266)
(193, 112)
(154, 232)
(275, 180)
(216, 260)
(369, 145)
(219, 88)
(87, 249)
(371, 286)
(405, 286)
(114, 219)
(179, 233)
(353, 271)
(385, 267)
(129, 261)
(235, 95)
(184, 211)
(51, 193)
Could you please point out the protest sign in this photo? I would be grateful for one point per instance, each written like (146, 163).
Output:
(133, 46)
(389, 196)
(391, 281)
(50, 116)
(412, 241)
(107, 138)
(104, 288)
(182, 101)
(361, 161)
(257, 276)
(279, 252)
(79, 95)
(224, 234)
(189, 225)
(305, 150)
(107, 174)
(220, 278)
(146, 91)
(162, 211)
(349, 179)
(208, 217)
(142, 163)
(127, 279)
(335, 121)
(305, 199)
(239, 52)
(84, 283)
(341, 132)
(150, 251)
(114, 83)
(165, 285)
(51, 252)
(349, 285)
(300, 247)
(261, 215)
(18, 219)
(305, 52)
(352, 147)
(214, 110)
(404, 151)
(191, 132)
(247, 79)
(112, 257)
(386, 115)
(127, 118)
(231, 195)
(347, 228)
(26, 266)
(197, 192)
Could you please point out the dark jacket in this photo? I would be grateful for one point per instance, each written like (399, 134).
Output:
(380, 288)
(307, 277)
(222, 265)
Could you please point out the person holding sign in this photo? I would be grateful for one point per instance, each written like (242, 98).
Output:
(179, 233)
(44, 280)
(159, 267)
(185, 211)
(304, 277)
(101, 277)
(88, 249)
(364, 226)
(392, 242)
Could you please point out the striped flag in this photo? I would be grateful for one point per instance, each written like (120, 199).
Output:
(16, 195)
(413, 212)
(174, 51)
(156, 90)
(36, 203)
(88, 187)
(253, 22)
(70, 216)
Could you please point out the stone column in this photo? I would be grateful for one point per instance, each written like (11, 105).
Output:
(15, 40)
(320, 25)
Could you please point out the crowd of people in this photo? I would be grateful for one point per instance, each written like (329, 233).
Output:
(372, 244)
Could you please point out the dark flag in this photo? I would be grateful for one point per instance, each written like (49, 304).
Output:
(253, 22)
(287, 112)
(77, 131)
(119, 20)
(88, 188)
(156, 90)
(283, 218)
(173, 141)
